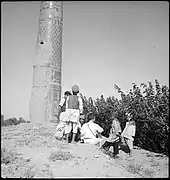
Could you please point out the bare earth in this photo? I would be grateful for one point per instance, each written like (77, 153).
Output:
(29, 150)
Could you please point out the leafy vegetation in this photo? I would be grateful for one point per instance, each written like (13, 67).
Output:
(149, 106)
(11, 121)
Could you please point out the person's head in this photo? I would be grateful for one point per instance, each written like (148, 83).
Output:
(82, 119)
(90, 116)
(75, 89)
(113, 121)
(67, 93)
(114, 116)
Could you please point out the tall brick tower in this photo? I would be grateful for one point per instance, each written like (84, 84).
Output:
(46, 89)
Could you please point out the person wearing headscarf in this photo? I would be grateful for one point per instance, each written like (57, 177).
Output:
(114, 137)
(80, 124)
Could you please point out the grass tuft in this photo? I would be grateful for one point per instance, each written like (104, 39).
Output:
(138, 168)
(59, 155)
(8, 156)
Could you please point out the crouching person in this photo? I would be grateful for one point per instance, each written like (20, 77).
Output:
(80, 124)
(90, 131)
(74, 107)
(114, 138)
(129, 132)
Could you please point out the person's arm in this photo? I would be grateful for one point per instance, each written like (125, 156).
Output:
(134, 131)
(62, 102)
(111, 130)
(67, 102)
(117, 127)
(80, 105)
(98, 134)
(120, 129)
(60, 106)
(119, 134)
(99, 130)
(124, 130)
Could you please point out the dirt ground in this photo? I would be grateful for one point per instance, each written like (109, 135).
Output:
(32, 151)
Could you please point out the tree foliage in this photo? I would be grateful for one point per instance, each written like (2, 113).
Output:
(149, 106)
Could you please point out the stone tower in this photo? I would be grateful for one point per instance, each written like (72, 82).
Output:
(46, 89)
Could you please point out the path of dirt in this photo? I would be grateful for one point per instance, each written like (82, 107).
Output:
(41, 155)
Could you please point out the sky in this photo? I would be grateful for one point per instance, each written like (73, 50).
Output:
(104, 43)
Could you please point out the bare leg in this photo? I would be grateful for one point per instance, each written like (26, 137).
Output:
(67, 136)
(115, 149)
(106, 145)
(73, 138)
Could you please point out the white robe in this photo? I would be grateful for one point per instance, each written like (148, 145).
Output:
(88, 135)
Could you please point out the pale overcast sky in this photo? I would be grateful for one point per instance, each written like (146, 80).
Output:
(104, 43)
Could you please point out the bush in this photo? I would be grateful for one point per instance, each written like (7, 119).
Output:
(12, 121)
(9, 122)
(149, 107)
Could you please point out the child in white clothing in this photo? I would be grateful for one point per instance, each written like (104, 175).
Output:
(62, 117)
(129, 133)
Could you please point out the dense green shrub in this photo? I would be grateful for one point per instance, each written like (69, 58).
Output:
(11, 121)
(149, 106)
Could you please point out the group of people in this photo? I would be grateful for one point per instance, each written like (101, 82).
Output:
(75, 127)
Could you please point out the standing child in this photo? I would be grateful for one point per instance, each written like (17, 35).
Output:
(74, 107)
(129, 132)
(62, 116)
(62, 106)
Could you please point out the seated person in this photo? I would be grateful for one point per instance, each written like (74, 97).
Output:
(114, 138)
(81, 122)
(90, 131)
(78, 135)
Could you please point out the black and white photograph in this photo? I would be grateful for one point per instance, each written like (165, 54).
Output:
(85, 89)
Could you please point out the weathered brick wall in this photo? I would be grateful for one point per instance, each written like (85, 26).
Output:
(46, 89)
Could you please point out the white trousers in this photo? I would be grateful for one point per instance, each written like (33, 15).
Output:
(129, 142)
